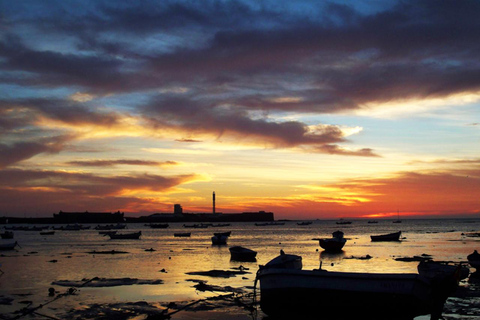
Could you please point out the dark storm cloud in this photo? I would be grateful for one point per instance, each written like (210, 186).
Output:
(195, 116)
(240, 56)
(437, 39)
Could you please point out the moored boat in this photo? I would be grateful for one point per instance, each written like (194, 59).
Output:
(219, 240)
(387, 237)
(220, 234)
(182, 234)
(238, 253)
(263, 224)
(286, 289)
(304, 223)
(159, 225)
(117, 226)
(8, 245)
(334, 244)
(134, 235)
(7, 235)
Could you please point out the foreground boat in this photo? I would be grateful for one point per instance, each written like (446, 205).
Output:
(334, 244)
(238, 253)
(387, 237)
(287, 290)
(134, 235)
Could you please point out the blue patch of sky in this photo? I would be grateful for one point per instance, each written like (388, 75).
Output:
(13, 91)
(417, 135)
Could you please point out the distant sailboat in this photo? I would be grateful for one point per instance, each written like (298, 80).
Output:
(398, 218)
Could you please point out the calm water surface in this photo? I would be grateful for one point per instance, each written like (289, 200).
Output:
(29, 270)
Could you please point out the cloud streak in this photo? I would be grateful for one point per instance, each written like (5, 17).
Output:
(111, 163)
(52, 190)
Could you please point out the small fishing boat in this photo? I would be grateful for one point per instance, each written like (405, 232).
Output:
(47, 233)
(288, 291)
(398, 218)
(263, 224)
(220, 234)
(134, 235)
(334, 244)
(8, 246)
(196, 226)
(341, 221)
(387, 237)
(219, 240)
(159, 225)
(219, 225)
(7, 235)
(238, 253)
(118, 226)
(107, 252)
(182, 234)
(304, 223)
(106, 233)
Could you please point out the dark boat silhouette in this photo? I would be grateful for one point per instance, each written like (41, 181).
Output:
(387, 237)
(287, 290)
(134, 235)
(238, 253)
(334, 244)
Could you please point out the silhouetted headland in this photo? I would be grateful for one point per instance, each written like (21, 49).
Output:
(116, 217)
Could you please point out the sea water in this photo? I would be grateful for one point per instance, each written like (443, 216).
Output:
(42, 259)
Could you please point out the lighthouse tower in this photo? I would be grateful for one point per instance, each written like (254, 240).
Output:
(213, 198)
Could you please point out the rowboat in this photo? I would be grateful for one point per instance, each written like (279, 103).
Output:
(238, 253)
(287, 290)
(263, 224)
(182, 234)
(8, 246)
(111, 226)
(221, 234)
(159, 225)
(134, 235)
(7, 235)
(387, 237)
(219, 240)
(334, 244)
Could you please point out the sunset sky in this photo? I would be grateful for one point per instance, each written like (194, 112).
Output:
(308, 109)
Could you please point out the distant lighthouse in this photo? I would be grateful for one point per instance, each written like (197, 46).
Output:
(213, 198)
